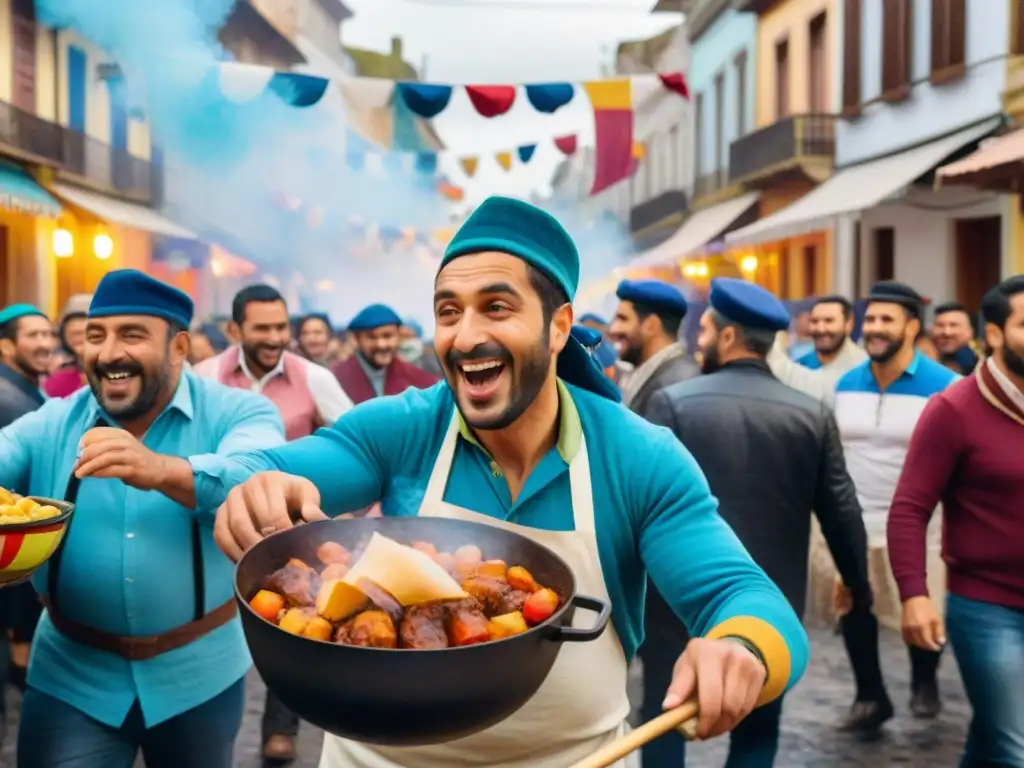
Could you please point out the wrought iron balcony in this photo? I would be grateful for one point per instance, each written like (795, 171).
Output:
(802, 143)
(651, 213)
(97, 164)
(709, 183)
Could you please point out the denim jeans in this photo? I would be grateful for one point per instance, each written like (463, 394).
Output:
(56, 735)
(988, 641)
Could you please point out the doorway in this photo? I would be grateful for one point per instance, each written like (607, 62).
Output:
(979, 257)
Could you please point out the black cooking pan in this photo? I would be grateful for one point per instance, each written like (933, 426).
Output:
(409, 697)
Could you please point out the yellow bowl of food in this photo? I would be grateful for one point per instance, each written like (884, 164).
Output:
(31, 529)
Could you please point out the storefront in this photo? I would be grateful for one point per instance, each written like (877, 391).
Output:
(26, 215)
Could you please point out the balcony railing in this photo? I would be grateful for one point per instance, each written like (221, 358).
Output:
(709, 183)
(782, 146)
(94, 162)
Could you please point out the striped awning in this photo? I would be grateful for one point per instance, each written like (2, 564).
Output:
(999, 157)
(20, 193)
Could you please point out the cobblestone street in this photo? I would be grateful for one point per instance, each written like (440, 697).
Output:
(808, 738)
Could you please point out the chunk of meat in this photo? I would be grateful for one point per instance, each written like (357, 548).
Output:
(422, 627)
(490, 592)
(296, 582)
(515, 600)
(381, 598)
(467, 626)
(332, 552)
(372, 629)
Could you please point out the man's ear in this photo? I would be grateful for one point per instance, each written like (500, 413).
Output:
(233, 332)
(180, 346)
(7, 348)
(993, 337)
(561, 327)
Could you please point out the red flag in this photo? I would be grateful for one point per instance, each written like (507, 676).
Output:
(676, 82)
(491, 100)
(613, 131)
(567, 144)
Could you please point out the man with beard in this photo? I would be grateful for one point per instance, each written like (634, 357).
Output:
(791, 463)
(313, 334)
(831, 326)
(26, 349)
(645, 330)
(376, 369)
(965, 452)
(877, 405)
(140, 647)
(525, 435)
(306, 394)
(415, 351)
(953, 334)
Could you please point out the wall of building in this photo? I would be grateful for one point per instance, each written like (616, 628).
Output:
(931, 111)
(791, 21)
(715, 51)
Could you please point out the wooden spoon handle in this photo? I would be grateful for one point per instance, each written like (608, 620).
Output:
(683, 716)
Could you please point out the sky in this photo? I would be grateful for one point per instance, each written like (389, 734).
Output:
(505, 42)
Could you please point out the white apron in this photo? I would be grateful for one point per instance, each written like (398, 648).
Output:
(582, 704)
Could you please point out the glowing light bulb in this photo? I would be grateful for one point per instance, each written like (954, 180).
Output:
(102, 246)
(63, 244)
(749, 264)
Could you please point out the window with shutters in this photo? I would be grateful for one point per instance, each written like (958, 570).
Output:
(851, 58)
(1017, 32)
(782, 79)
(719, 121)
(23, 55)
(897, 49)
(818, 63)
(949, 40)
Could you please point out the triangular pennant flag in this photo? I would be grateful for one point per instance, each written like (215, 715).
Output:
(676, 82)
(504, 159)
(426, 163)
(639, 150)
(567, 144)
(469, 165)
(612, 101)
(426, 100)
(298, 90)
(526, 152)
(450, 191)
(491, 100)
(550, 97)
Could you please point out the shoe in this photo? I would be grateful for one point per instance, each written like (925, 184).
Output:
(279, 749)
(925, 703)
(867, 716)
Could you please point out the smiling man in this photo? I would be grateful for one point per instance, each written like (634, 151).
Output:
(140, 647)
(526, 434)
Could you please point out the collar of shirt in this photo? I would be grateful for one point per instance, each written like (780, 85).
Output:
(12, 376)
(372, 373)
(277, 370)
(908, 373)
(570, 429)
(181, 402)
(1015, 395)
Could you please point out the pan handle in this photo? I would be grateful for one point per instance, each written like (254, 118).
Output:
(602, 608)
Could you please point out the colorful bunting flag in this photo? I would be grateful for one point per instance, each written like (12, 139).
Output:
(426, 100)
(550, 97)
(613, 131)
(491, 100)
(567, 144)
(469, 165)
(675, 82)
(526, 152)
(504, 160)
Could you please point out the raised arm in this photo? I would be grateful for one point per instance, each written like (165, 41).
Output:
(705, 573)
(819, 384)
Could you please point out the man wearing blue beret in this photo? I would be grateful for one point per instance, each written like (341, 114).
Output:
(771, 455)
(376, 369)
(140, 648)
(525, 434)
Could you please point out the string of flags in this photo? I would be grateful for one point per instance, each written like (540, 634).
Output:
(396, 116)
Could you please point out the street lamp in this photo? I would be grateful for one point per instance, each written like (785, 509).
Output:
(63, 243)
(102, 246)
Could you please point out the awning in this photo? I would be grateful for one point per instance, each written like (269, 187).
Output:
(20, 193)
(1002, 156)
(700, 229)
(121, 212)
(858, 187)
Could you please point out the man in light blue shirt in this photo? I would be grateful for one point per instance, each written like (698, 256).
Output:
(140, 647)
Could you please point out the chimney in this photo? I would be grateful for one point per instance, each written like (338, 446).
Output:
(396, 48)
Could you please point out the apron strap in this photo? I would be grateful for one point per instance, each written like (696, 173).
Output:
(54, 565)
(581, 490)
(434, 494)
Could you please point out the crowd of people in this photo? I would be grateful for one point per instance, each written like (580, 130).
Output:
(607, 441)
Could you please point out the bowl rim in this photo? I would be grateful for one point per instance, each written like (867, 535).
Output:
(66, 508)
(544, 625)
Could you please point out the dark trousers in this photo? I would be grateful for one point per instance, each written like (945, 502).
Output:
(278, 720)
(56, 735)
(661, 648)
(924, 666)
(860, 636)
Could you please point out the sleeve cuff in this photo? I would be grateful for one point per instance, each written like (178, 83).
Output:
(769, 644)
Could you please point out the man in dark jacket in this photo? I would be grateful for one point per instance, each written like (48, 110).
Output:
(771, 456)
(645, 330)
(27, 343)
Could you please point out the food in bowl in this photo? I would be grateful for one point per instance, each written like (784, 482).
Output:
(15, 509)
(394, 596)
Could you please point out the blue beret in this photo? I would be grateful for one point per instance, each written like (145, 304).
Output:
(590, 317)
(657, 294)
(588, 337)
(747, 304)
(131, 292)
(15, 311)
(413, 326)
(374, 316)
(511, 226)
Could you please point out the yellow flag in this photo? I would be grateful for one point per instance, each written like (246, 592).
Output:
(504, 159)
(469, 165)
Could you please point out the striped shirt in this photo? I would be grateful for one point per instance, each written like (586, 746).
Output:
(876, 427)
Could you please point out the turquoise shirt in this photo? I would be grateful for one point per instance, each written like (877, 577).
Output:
(127, 565)
(653, 508)
(810, 360)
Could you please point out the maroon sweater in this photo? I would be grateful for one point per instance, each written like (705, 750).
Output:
(970, 456)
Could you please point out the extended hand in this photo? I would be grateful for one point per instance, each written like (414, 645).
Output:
(261, 506)
(727, 679)
(114, 453)
(922, 625)
(842, 600)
